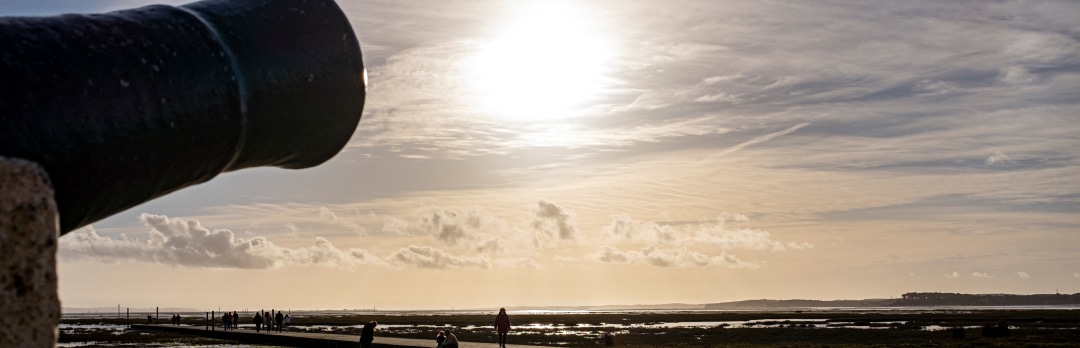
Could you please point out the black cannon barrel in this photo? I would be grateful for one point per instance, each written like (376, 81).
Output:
(126, 106)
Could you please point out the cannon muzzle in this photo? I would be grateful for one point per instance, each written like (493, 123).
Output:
(123, 107)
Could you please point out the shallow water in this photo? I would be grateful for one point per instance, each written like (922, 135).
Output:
(135, 316)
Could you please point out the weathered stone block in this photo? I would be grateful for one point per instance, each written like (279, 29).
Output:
(29, 228)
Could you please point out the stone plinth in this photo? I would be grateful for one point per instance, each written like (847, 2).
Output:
(29, 228)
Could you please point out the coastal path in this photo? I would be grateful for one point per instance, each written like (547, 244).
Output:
(307, 339)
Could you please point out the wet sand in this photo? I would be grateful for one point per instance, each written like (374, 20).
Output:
(914, 328)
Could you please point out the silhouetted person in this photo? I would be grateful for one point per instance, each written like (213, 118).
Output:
(235, 320)
(258, 320)
(287, 322)
(440, 339)
(367, 335)
(451, 340)
(149, 319)
(502, 326)
(279, 319)
(269, 321)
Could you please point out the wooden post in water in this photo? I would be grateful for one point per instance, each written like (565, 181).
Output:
(207, 321)
(213, 320)
(129, 317)
(157, 314)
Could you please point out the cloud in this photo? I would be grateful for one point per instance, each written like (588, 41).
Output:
(1023, 275)
(719, 97)
(517, 262)
(761, 139)
(997, 157)
(715, 233)
(185, 242)
(1016, 74)
(981, 275)
(733, 217)
(330, 217)
(669, 257)
(492, 245)
(428, 257)
(551, 220)
(935, 88)
(952, 275)
(475, 228)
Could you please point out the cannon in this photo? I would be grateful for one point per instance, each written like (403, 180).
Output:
(123, 107)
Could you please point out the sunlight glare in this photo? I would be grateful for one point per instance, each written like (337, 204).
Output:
(548, 61)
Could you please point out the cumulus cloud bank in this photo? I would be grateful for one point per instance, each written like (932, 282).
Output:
(670, 257)
(330, 217)
(428, 257)
(185, 242)
(551, 220)
(474, 228)
(714, 232)
(669, 244)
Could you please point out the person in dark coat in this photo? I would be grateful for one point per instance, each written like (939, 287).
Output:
(367, 335)
(280, 319)
(502, 326)
(258, 321)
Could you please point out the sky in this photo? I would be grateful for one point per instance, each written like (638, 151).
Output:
(566, 153)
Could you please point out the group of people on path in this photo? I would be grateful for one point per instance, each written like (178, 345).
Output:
(230, 320)
(274, 322)
(445, 338)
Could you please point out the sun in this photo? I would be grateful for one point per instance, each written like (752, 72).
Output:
(548, 61)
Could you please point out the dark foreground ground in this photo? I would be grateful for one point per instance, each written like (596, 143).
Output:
(985, 328)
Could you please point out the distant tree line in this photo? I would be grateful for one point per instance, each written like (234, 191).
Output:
(953, 299)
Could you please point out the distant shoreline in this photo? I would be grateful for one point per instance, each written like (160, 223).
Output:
(912, 299)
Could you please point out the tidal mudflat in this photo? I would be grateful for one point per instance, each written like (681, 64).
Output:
(836, 328)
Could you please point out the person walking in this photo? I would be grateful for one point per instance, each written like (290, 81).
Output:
(280, 320)
(502, 326)
(235, 320)
(367, 335)
(269, 321)
(258, 320)
(225, 321)
(288, 321)
(451, 340)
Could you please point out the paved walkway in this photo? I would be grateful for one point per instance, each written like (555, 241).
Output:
(307, 339)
